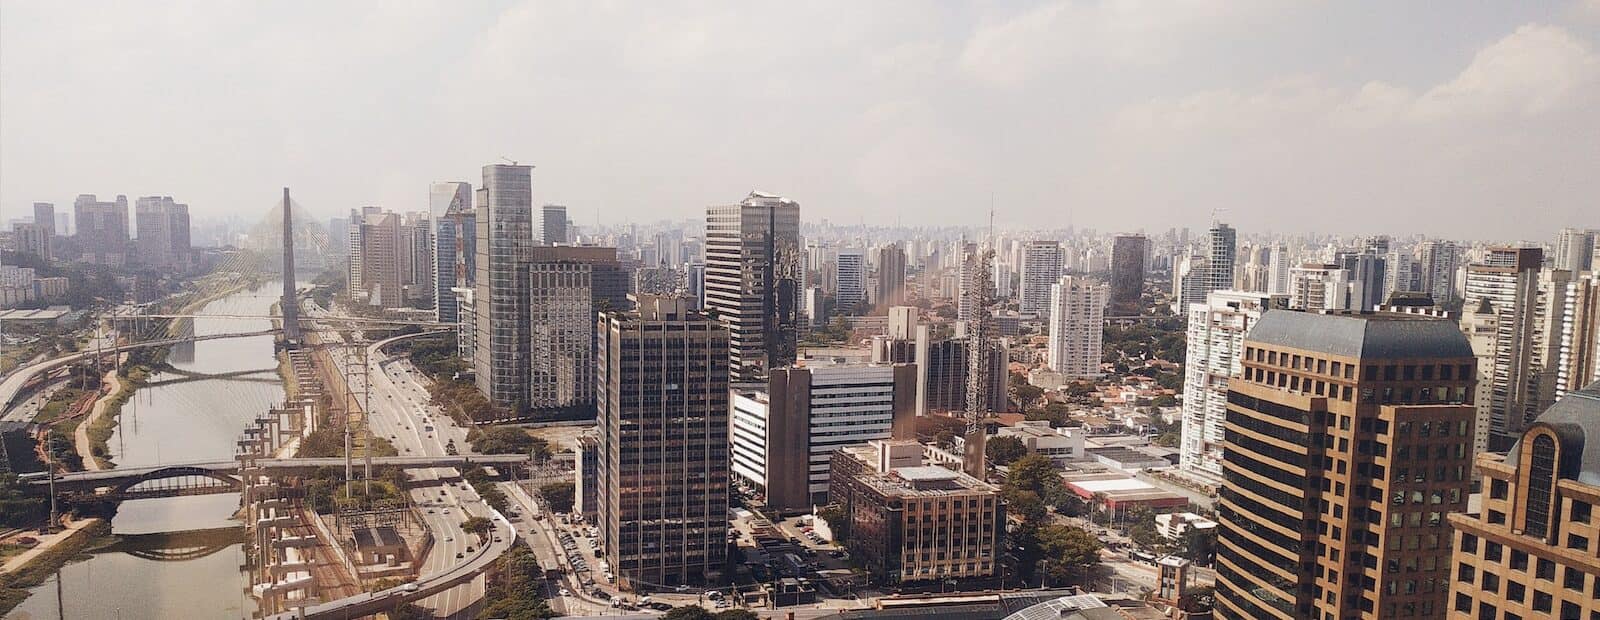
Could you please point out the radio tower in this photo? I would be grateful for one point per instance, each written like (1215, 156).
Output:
(980, 348)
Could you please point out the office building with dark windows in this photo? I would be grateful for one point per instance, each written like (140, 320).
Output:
(1347, 440)
(662, 394)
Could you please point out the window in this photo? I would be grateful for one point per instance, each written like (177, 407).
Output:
(1580, 511)
(1491, 582)
(1572, 579)
(1545, 569)
(1542, 601)
(1541, 488)
(1580, 543)
(1519, 560)
(1515, 591)
(1497, 489)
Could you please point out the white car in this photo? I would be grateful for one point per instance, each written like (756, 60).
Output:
(564, 592)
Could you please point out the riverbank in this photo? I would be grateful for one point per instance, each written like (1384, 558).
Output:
(83, 436)
(32, 567)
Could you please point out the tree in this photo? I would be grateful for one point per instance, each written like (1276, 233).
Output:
(1070, 550)
(477, 525)
(1199, 599)
(559, 495)
(944, 438)
(1005, 450)
(688, 612)
(507, 440)
(1037, 474)
(838, 521)
(410, 611)
(736, 614)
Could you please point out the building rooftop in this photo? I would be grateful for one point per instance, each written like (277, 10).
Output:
(1574, 419)
(1369, 335)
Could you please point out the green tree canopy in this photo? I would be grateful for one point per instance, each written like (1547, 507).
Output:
(1005, 450)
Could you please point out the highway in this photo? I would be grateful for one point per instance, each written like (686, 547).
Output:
(402, 414)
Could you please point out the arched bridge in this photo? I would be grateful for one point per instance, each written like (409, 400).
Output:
(223, 476)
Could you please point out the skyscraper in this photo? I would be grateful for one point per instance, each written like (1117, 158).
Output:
(1367, 272)
(1347, 440)
(852, 274)
(1216, 334)
(417, 260)
(454, 242)
(891, 277)
(102, 229)
(567, 286)
(663, 466)
(752, 281)
(1221, 255)
(1041, 269)
(31, 238)
(553, 225)
(1077, 326)
(1127, 273)
(505, 232)
(1505, 285)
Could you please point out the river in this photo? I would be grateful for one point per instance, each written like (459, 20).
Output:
(179, 417)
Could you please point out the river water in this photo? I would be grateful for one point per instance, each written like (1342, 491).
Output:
(183, 416)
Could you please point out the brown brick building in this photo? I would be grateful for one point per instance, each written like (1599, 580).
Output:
(1533, 550)
(1347, 438)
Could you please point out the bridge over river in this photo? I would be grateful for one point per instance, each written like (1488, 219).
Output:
(223, 476)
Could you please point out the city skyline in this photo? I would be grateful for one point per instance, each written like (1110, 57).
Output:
(1058, 114)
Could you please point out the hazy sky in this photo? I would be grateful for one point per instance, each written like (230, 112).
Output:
(1463, 119)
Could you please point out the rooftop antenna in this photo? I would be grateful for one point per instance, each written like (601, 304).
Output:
(508, 159)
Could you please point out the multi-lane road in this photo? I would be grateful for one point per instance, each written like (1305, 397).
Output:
(401, 413)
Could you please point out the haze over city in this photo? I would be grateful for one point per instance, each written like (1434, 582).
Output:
(1454, 120)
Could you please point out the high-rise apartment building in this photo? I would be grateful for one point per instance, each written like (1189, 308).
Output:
(1506, 285)
(784, 436)
(1077, 326)
(377, 257)
(1041, 269)
(1529, 550)
(753, 280)
(454, 242)
(505, 233)
(1437, 264)
(1575, 249)
(891, 277)
(1315, 286)
(1367, 272)
(663, 462)
(163, 228)
(1278, 264)
(31, 238)
(1579, 362)
(1128, 254)
(1347, 441)
(102, 229)
(852, 277)
(1216, 332)
(553, 225)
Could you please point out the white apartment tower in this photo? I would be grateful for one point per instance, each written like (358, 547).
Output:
(1077, 317)
(1216, 338)
(1041, 270)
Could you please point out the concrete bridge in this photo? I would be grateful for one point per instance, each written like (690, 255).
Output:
(19, 379)
(223, 476)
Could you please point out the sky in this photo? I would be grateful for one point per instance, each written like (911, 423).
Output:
(1467, 120)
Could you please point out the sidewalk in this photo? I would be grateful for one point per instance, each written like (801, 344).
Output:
(80, 436)
(46, 543)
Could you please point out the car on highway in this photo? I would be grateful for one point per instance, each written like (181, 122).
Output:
(460, 555)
